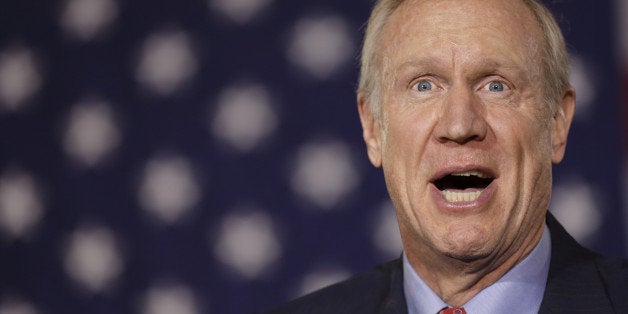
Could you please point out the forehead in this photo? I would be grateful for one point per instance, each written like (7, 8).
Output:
(492, 29)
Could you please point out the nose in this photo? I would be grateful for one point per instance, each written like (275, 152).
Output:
(461, 118)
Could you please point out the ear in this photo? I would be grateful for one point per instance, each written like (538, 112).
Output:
(561, 121)
(370, 131)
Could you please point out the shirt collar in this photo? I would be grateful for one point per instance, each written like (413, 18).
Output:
(520, 288)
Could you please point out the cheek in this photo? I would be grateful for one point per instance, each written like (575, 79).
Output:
(522, 136)
(397, 152)
(403, 151)
(527, 157)
(407, 131)
(537, 144)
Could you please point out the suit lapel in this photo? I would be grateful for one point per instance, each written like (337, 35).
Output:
(395, 301)
(574, 283)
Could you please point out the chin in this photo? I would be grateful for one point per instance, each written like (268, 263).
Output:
(468, 256)
(468, 245)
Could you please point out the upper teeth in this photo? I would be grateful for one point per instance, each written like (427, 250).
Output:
(471, 173)
(460, 196)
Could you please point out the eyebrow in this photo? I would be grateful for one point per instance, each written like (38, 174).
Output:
(424, 62)
(434, 64)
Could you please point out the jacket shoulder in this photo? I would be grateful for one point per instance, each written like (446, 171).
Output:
(363, 293)
(582, 280)
(614, 272)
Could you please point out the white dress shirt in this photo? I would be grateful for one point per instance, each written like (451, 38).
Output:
(520, 290)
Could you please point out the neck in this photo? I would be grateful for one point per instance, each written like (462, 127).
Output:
(456, 281)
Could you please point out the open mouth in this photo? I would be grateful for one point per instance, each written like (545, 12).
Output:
(464, 186)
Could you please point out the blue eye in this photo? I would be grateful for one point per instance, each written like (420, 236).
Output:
(423, 86)
(496, 86)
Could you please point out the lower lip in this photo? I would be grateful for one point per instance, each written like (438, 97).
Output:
(458, 207)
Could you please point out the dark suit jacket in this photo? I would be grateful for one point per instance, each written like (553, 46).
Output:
(579, 281)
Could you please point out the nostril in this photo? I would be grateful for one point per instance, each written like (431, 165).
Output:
(460, 139)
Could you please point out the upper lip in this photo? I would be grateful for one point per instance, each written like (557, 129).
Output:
(481, 171)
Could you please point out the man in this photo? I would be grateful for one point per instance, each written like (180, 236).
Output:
(466, 104)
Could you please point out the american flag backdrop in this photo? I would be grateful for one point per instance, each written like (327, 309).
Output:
(187, 157)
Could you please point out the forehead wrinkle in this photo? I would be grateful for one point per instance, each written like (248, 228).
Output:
(457, 55)
(434, 65)
(404, 19)
(423, 63)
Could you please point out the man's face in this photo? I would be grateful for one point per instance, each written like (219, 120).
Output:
(466, 141)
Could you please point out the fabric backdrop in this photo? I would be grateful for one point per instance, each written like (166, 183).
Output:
(206, 157)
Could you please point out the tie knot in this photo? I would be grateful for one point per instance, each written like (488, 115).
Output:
(453, 310)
